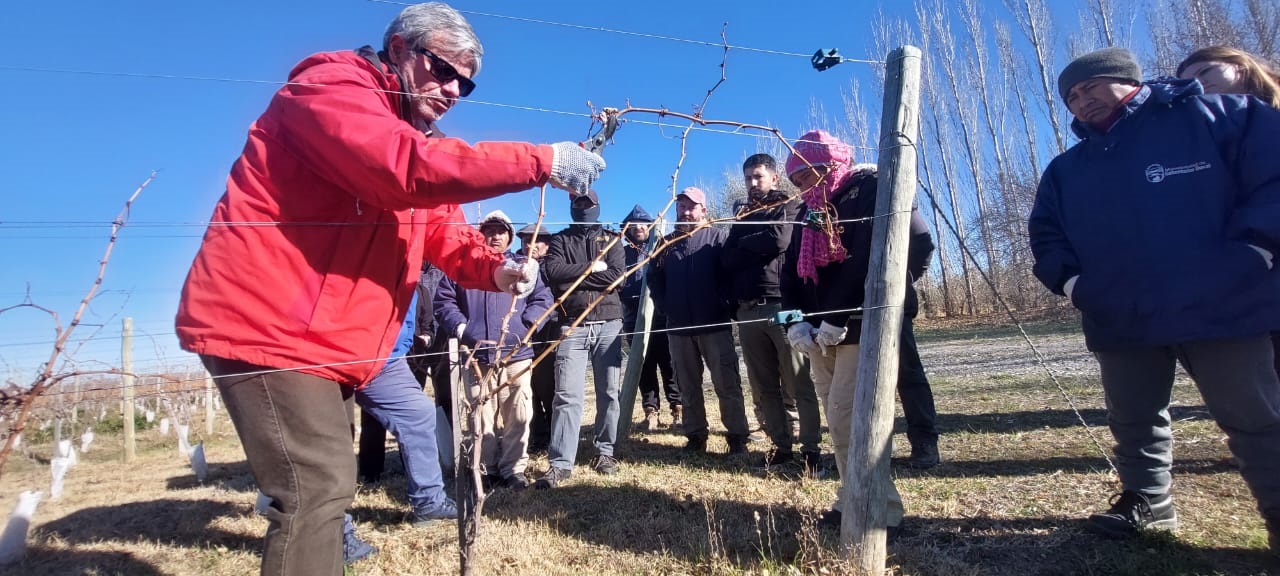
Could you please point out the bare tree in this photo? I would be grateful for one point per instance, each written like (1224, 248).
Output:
(1034, 20)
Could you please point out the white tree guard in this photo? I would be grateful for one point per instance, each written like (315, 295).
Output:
(58, 467)
(151, 416)
(13, 542)
(17, 441)
(184, 447)
(65, 450)
(198, 463)
(164, 426)
(85, 440)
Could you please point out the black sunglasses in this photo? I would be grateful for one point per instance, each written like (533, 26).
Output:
(446, 73)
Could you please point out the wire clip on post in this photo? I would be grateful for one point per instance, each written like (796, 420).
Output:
(786, 317)
(823, 59)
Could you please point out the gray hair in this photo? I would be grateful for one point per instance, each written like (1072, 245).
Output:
(438, 22)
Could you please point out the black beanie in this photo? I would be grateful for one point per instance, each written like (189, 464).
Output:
(1108, 62)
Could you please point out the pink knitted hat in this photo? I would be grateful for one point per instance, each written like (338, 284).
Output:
(820, 149)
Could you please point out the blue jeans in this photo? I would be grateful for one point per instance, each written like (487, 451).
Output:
(395, 399)
(600, 343)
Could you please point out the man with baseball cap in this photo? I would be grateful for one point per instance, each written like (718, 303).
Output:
(1160, 226)
(686, 286)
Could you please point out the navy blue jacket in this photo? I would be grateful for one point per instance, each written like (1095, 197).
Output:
(482, 312)
(687, 285)
(1156, 217)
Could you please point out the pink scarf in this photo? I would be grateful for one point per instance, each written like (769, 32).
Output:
(821, 247)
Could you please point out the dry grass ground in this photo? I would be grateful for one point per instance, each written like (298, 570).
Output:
(1019, 474)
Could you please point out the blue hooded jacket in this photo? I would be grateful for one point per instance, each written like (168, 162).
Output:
(1157, 217)
(482, 312)
(631, 286)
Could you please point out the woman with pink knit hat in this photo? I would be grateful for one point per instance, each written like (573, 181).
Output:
(824, 278)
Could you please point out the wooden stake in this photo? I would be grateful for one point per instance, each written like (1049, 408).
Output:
(868, 481)
(126, 378)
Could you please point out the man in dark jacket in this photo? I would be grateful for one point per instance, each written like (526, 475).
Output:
(544, 373)
(585, 251)
(686, 283)
(475, 317)
(825, 278)
(1160, 226)
(657, 357)
(753, 257)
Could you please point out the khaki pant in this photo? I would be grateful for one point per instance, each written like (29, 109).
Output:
(504, 419)
(835, 376)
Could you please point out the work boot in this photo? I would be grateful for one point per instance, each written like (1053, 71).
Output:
(924, 455)
(1131, 512)
(696, 445)
(651, 422)
(677, 417)
(737, 445)
(777, 457)
(553, 478)
(605, 464)
(812, 464)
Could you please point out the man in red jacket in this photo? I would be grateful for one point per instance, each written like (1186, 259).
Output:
(356, 187)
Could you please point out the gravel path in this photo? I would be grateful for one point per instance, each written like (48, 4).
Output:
(1065, 354)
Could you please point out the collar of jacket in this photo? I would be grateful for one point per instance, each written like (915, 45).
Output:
(1159, 91)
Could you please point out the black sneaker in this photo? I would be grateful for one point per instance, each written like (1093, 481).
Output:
(553, 478)
(1133, 511)
(695, 445)
(830, 520)
(517, 481)
(605, 464)
(776, 458)
(924, 455)
(737, 445)
(812, 464)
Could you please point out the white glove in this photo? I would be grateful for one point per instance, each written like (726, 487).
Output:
(830, 335)
(1070, 287)
(599, 266)
(1266, 254)
(800, 335)
(573, 168)
(462, 329)
(517, 276)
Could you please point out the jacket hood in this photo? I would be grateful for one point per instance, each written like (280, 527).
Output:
(1162, 90)
(638, 214)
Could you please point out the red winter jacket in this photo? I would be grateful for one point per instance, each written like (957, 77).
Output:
(313, 252)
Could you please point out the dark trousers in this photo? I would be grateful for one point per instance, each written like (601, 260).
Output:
(543, 385)
(657, 364)
(914, 390)
(372, 457)
(296, 434)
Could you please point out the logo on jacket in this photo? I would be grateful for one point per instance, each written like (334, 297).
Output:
(1156, 173)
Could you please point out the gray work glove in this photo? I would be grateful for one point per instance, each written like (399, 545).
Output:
(800, 336)
(517, 276)
(573, 168)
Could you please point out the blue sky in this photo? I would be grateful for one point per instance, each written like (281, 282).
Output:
(77, 145)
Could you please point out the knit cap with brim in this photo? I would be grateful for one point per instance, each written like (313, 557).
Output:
(500, 218)
(1117, 63)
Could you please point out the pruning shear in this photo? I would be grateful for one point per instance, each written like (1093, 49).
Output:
(596, 143)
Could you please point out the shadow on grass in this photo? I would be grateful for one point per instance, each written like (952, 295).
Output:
(185, 523)
(1027, 420)
(643, 521)
(1041, 466)
(1058, 546)
(40, 560)
(230, 476)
